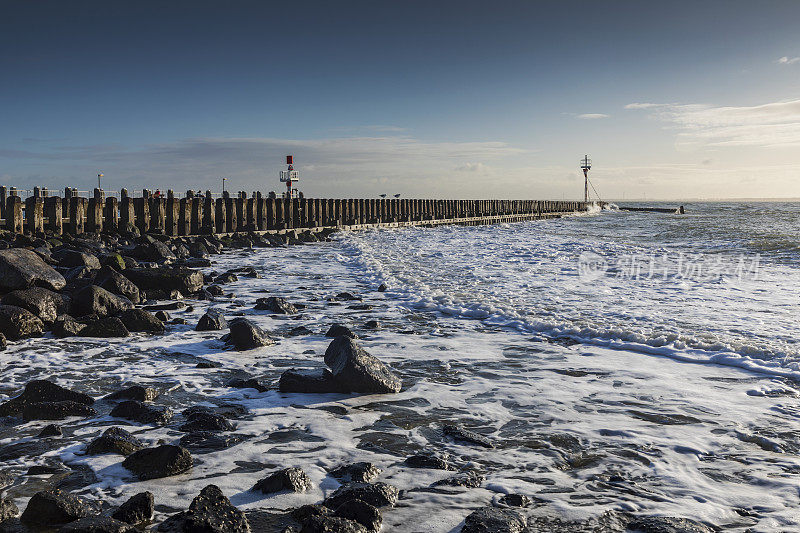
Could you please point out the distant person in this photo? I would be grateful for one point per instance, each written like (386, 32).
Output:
(157, 194)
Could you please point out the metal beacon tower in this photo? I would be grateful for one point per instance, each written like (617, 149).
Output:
(586, 164)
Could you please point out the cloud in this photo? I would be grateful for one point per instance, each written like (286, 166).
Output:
(472, 167)
(637, 105)
(775, 124)
(592, 116)
(785, 60)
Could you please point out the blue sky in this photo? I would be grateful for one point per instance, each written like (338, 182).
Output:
(450, 99)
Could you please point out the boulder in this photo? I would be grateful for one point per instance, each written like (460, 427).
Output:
(134, 392)
(50, 430)
(112, 281)
(75, 258)
(361, 471)
(17, 323)
(141, 320)
(153, 250)
(464, 435)
(66, 326)
(358, 371)
(107, 327)
(288, 479)
(250, 383)
(114, 440)
(21, 268)
(346, 296)
(227, 277)
(161, 461)
(425, 460)
(208, 441)
(41, 390)
(56, 410)
(113, 260)
(212, 320)
(469, 479)
(375, 494)
(197, 420)
(331, 524)
(275, 304)
(338, 330)
(145, 414)
(668, 524)
(7, 509)
(97, 300)
(382, 287)
(494, 520)
(136, 510)
(209, 512)
(54, 508)
(43, 303)
(183, 279)
(97, 524)
(309, 381)
(245, 335)
(515, 500)
(360, 511)
(3, 342)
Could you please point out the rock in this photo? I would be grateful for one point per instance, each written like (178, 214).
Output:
(137, 510)
(331, 524)
(494, 520)
(227, 277)
(97, 524)
(107, 327)
(338, 330)
(205, 421)
(7, 509)
(465, 435)
(382, 287)
(114, 440)
(162, 315)
(114, 261)
(50, 430)
(469, 479)
(245, 335)
(309, 381)
(346, 296)
(3, 342)
(212, 320)
(161, 461)
(361, 472)
(112, 281)
(668, 524)
(55, 410)
(43, 303)
(134, 392)
(21, 268)
(17, 323)
(183, 279)
(515, 500)
(215, 290)
(251, 383)
(275, 305)
(141, 320)
(358, 371)
(169, 306)
(53, 508)
(75, 258)
(299, 330)
(209, 512)
(18, 449)
(96, 300)
(360, 511)
(41, 390)
(155, 251)
(375, 494)
(291, 479)
(144, 414)
(208, 441)
(66, 326)
(372, 324)
(428, 461)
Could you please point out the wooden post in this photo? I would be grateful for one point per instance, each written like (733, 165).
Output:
(111, 223)
(142, 209)
(250, 214)
(158, 215)
(219, 215)
(14, 214)
(196, 216)
(76, 213)
(230, 214)
(34, 214)
(127, 213)
(240, 213)
(171, 215)
(209, 224)
(52, 210)
(3, 200)
(94, 215)
(184, 215)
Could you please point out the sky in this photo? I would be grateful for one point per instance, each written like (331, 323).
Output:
(443, 99)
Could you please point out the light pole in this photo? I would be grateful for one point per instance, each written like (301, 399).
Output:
(223, 185)
(98, 181)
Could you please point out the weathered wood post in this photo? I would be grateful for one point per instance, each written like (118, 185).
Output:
(3, 200)
(261, 212)
(52, 210)
(184, 215)
(158, 215)
(270, 213)
(209, 210)
(94, 214)
(196, 220)
(239, 212)
(111, 218)
(142, 210)
(171, 215)
(14, 221)
(34, 214)
(230, 213)
(219, 214)
(280, 213)
(250, 214)
(76, 214)
(127, 213)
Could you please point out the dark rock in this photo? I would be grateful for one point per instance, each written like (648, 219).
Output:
(428, 461)
(309, 381)
(144, 414)
(43, 470)
(41, 390)
(161, 461)
(668, 524)
(227, 277)
(338, 330)
(215, 290)
(290, 479)
(304, 512)
(50, 430)
(141, 320)
(3, 342)
(97, 524)
(212, 320)
(43, 303)
(75, 258)
(114, 440)
(245, 335)
(21, 268)
(372, 324)
(469, 479)
(137, 510)
(16, 450)
(362, 471)
(179, 321)
(358, 371)
(107, 327)
(331, 524)
(465, 435)
(382, 287)
(55, 410)
(205, 421)
(112, 281)
(251, 383)
(134, 392)
(346, 296)
(375, 494)
(276, 305)
(53, 508)
(17, 323)
(494, 520)
(300, 330)
(209, 512)
(515, 500)
(207, 441)
(7, 509)
(155, 251)
(183, 279)
(98, 301)
(113, 260)
(359, 511)
(162, 315)
(169, 306)
(66, 326)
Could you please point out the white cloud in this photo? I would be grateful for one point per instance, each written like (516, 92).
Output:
(592, 116)
(637, 105)
(473, 167)
(786, 60)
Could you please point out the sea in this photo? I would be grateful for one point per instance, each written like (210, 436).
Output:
(637, 362)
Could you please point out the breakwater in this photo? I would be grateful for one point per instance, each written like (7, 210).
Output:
(205, 214)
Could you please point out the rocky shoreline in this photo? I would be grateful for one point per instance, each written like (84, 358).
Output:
(110, 286)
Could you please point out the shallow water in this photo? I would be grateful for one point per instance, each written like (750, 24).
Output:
(601, 392)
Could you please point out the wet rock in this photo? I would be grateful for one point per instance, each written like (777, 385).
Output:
(21, 268)
(515, 500)
(41, 390)
(427, 461)
(382, 287)
(275, 305)
(144, 414)
(43, 470)
(169, 306)
(309, 381)
(205, 421)
(215, 290)
(98, 301)
(114, 440)
(372, 324)
(107, 327)
(469, 479)
(97, 524)
(346, 296)
(338, 330)
(134, 392)
(113, 260)
(245, 335)
(17, 323)
(66, 326)
(115, 282)
(668, 524)
(50, 430)
(464, 435)
(291, 479)
(54, 508)
(360, 511)
(250, 383)
(3, 342)
(183, 279)
(7, 509)
(75, 258)
(208, 441)
(16, 450)
(162, 315)
(209, 512)
(357, 370)
(360, 472)
(161, 461)
(137, 510)
(299, 330)
(141, 320)
(43, 303)
(331, 524)
(55, 410)
(375, 494)
(154, 251)
(227, 277)
(494, 520)
(212, 320)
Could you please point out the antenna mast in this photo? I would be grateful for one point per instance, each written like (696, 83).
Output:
(586, 164)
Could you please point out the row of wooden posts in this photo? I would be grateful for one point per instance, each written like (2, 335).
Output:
(203, 214)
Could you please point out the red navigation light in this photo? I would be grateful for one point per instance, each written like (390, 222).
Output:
(289, 159)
